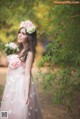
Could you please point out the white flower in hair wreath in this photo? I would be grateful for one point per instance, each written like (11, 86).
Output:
(28, 25)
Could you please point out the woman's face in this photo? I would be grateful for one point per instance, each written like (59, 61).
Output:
(22, 36)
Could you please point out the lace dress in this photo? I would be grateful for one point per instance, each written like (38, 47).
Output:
(13, 99)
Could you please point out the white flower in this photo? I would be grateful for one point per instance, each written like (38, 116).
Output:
(22, 23)
(31, 29)
(12, 45)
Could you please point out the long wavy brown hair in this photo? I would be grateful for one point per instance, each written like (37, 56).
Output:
(30, 45)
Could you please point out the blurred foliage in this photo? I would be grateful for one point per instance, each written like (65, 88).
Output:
(63, 52)
(13, 12)
(63, 85)
(65, 33)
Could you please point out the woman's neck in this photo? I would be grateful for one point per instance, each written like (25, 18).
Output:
(24, 45)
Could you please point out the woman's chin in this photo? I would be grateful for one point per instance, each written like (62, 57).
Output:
(19, 41)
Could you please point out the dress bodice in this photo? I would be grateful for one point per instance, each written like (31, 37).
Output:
(14, 61)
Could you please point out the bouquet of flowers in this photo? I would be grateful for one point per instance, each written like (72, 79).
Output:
(10, 48)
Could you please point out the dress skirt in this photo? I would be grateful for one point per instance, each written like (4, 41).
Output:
(13, 99)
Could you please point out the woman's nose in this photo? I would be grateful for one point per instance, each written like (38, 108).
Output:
(19, 34)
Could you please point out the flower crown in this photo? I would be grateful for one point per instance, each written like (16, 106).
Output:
(28, 25)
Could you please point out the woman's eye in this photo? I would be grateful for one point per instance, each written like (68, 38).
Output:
(23, 33)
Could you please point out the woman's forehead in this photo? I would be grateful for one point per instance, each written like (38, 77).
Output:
(23, 30)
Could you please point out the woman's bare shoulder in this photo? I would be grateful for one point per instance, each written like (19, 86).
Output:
(29, 62)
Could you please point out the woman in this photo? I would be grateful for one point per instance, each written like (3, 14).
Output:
(20, 98)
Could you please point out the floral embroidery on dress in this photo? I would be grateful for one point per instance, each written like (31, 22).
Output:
(14, 61)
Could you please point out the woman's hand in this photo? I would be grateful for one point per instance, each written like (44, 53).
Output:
(28, 101)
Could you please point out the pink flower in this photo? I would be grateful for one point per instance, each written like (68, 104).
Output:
(14, 65)
(14, 61)
(28, 24)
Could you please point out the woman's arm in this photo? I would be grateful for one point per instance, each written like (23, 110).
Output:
(28, 67)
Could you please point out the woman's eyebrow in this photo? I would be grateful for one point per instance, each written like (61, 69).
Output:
(22, 32)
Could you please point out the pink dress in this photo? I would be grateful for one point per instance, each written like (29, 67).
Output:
(13, 99)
